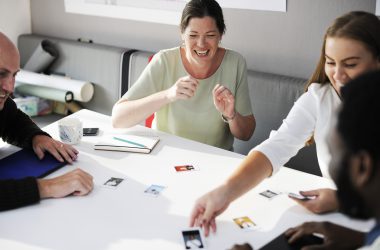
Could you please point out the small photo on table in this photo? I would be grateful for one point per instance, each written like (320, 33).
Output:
(113, 182)
(154, 190)
(193, 239)
(269, 194)
(245, 223)
(185, 168)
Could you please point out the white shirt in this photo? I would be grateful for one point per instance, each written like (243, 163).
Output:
(311, 115)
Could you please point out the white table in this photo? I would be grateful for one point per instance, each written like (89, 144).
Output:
(125, 218)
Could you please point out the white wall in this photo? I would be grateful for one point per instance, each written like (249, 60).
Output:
(15, 18)
(283, 43)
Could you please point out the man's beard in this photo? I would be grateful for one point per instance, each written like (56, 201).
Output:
(350, 201)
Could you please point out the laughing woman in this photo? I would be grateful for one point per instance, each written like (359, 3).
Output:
(198, 90)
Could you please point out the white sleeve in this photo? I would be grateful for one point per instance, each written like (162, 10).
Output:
(295, 131)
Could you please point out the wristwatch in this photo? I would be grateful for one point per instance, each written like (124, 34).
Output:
(226, 119)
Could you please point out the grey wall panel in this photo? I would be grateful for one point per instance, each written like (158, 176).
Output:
(281, 43)
(99, 64)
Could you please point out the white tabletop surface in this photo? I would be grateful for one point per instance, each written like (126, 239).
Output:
(126, 218)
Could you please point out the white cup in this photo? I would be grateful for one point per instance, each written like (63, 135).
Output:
(70, 130)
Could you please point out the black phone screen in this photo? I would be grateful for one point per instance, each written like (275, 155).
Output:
(90, 131)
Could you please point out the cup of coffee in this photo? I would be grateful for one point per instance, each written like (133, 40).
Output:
(70, 130)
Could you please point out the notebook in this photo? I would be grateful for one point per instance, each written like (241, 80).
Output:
(25, 163)
(281, 242)
(127, 143)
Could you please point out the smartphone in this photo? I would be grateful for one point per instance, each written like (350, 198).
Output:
(299, 197)
(90, 131)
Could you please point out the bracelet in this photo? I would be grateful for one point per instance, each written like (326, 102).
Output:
(226, 119)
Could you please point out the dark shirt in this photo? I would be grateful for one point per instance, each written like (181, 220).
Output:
(18, 129)
(373, 235)
(18, 193)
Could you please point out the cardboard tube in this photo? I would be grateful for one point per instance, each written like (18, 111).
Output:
(45, 92)
(83, 91)
(42, 57)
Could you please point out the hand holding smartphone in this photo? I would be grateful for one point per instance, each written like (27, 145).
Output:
(300, 197)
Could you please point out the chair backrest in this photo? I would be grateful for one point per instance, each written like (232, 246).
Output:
(138, 60)
(272, 96)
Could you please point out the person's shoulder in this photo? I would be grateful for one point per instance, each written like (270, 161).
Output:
(319, 89)
(167, 54)
(234, 55)
(324, 94)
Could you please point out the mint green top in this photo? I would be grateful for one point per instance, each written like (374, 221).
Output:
(196, 118)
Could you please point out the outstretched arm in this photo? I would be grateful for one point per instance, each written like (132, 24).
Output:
(251, 172)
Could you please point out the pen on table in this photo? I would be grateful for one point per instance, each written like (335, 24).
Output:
(130, 142)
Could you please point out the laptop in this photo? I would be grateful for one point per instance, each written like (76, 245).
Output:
(25, 163)
(281, 242)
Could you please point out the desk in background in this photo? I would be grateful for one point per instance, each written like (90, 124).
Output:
(125, 218)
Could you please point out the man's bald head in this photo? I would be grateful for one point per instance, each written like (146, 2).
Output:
(9, 66)
(6, 45)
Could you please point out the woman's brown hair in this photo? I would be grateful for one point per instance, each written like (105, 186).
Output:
(200, 9)
(356, 25)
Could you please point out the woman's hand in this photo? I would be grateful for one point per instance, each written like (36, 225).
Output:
(184, 88)
(325, 200)
(208, 207)
(224, 101)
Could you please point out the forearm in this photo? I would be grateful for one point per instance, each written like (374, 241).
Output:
(43, 188)
(126, 113)
(254, 168)
(242, 127)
